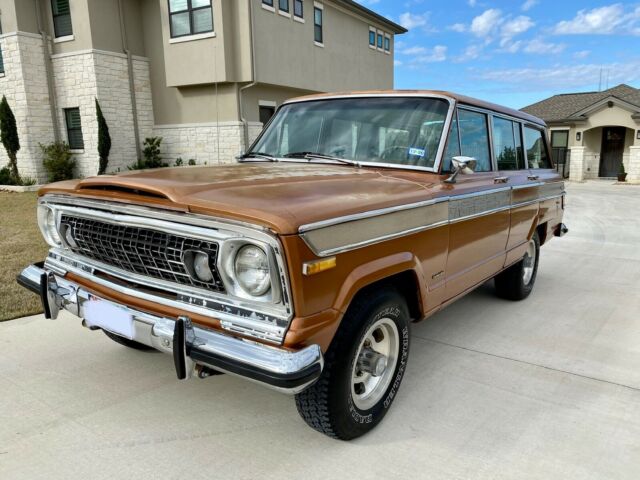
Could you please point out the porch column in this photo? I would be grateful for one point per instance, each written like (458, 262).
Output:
(576, 167)
(633, 174)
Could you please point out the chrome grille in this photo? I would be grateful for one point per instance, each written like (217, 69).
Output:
(144, 251)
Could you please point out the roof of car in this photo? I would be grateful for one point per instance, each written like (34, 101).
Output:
(460, 99)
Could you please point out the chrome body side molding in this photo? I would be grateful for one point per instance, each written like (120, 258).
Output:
(338, 235)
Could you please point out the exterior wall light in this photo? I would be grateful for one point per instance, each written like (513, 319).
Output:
(578, 136)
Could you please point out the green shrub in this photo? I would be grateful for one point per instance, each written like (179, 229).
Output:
(58, 161)
(621, 170)
(5, 176)
(104, 140)
(179, 162)
(192, 162)
(151, 154)
(9, 137)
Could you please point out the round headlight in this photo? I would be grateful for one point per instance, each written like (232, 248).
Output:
(252, 270)
(201, 267)
(47, 224)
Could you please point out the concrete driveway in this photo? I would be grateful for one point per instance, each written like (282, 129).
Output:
(546, 388)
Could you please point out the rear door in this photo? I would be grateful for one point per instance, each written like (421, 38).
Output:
(478, 209)
(512, 168)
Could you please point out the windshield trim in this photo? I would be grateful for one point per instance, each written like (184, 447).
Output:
(443, 136)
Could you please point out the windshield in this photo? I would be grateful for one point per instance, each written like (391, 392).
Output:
(396, 130)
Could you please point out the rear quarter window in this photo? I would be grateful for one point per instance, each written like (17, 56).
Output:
(536, 148)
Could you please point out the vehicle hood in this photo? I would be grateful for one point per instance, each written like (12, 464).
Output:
(280, 196)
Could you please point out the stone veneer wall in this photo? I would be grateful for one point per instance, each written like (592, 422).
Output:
(80, 78)
(25, 86)
(200, 141)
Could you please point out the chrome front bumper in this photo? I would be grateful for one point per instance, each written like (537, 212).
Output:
(192, 347)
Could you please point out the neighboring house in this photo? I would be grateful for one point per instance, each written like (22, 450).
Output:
(203, 74)
(599, 131)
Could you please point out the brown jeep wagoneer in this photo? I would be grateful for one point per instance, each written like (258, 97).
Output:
(302, 266)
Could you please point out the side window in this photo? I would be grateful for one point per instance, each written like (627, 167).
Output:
(504, 145)
(536, 149)
(61, 18)
(474, 138)
(517, 134)
(453, 146)
(74, 128)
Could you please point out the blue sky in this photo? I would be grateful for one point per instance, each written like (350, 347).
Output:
(514, 52)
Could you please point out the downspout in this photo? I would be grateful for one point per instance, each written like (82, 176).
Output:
(51, 90)
(254, 80)
(132, 85)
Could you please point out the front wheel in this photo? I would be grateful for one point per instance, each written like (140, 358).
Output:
(516, 282)
(364, 367)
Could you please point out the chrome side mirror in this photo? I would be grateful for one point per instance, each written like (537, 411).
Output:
(464, 165)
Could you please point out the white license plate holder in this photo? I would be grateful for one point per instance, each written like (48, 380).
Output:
(108, 316)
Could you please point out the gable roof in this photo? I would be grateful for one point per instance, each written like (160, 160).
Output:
(567, 106)
(367, 13)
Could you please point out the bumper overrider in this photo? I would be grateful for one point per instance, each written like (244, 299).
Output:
(194, 349)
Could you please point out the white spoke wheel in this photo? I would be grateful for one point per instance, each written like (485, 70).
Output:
(374, 363)
(363, 367)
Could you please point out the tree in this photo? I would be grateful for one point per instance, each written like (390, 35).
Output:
(9, 135)
(104, 140)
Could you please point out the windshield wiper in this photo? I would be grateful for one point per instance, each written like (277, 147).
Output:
(321, 156)
(265, 157)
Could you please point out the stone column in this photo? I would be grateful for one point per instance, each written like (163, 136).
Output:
(633, 173)
(576, 167)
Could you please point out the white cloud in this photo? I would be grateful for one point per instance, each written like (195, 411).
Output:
(458, 27)
(413, 51)
(610, 19)
(539, 46)
(472, 3)
(528, 5)
(471, 53)
(412, 20)
(562, 76)
(582, 54)
(516, 26)
(486, 23)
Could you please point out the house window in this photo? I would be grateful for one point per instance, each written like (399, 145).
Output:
(74, 128)
(387, 43)
(298, 8)
(317, 25)
(190, 17)
(266, 112)
(559, 146)
(380, 40)
(268, 3)
(372, 38)
(61, 18)
(283, 5)
(1, 63)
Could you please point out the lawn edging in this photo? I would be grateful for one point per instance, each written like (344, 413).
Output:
(19, 188)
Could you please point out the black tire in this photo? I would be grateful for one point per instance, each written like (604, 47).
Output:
(511, 284)
(328, 405)
(126, 342)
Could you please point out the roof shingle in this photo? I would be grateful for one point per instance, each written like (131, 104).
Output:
(566, 105)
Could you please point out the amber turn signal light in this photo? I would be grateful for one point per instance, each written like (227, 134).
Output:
(317, 266)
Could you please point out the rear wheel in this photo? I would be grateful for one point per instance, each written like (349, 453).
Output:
(364, 367)
(126, 342)
(517, 281)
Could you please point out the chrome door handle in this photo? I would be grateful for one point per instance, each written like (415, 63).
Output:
(501, 180)
(533, 177)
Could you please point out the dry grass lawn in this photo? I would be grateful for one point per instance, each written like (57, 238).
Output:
(20, 245)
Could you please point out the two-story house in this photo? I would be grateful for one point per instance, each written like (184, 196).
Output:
(203, 74)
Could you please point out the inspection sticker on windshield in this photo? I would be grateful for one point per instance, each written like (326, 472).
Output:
(418, 152)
